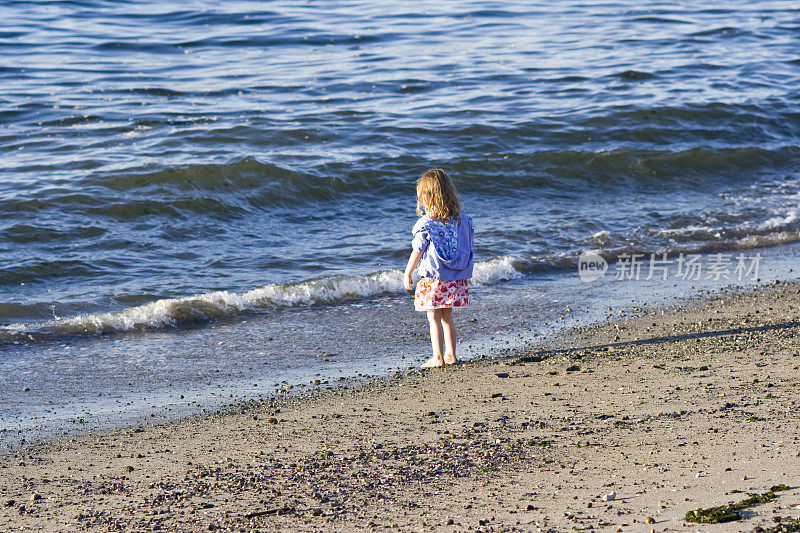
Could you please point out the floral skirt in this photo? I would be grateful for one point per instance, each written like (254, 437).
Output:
(437, 294)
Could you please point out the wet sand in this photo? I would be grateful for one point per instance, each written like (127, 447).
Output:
(669, 410)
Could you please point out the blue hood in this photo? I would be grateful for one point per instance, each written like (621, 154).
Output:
(451, 242)
(446, 248)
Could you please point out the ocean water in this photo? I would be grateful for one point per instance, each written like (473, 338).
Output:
(197, 197)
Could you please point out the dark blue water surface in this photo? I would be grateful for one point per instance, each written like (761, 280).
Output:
(165, 164)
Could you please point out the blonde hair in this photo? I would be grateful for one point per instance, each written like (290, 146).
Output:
(437, 195)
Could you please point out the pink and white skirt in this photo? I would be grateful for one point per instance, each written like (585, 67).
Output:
(437, 294)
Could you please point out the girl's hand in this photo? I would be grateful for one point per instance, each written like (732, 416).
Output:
(413, 261)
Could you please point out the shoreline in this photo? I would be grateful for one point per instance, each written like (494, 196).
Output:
(657, 408)
(174, 374)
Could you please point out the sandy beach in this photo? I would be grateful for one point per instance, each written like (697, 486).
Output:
(207, 214)
(624, 426)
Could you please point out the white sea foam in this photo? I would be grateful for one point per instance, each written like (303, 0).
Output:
(768, 231)
(192, 309)
(690, 230)
(781, 220)
(767, 239)
(602, 238)
(494, 270)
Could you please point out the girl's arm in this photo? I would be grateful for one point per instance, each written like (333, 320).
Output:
(413, 261)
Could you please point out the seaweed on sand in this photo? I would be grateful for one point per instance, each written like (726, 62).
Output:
(729, 513)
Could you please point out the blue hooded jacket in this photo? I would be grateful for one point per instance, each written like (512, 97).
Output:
(446, 248)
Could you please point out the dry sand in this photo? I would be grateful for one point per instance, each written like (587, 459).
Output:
(671, 410)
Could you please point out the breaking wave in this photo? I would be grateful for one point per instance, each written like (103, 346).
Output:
(176, 312)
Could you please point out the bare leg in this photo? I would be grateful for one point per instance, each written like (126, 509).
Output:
(434, 319)
(449, 334)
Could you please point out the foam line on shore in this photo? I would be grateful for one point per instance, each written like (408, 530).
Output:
(174, 312)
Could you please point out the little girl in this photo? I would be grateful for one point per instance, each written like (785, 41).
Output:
(442, 247)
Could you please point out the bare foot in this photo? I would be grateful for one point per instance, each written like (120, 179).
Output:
(450, 360)
(433, 362)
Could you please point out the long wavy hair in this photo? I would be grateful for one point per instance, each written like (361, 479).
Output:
(437, 196)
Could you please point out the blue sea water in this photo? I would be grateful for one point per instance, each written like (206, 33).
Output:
(171, 169)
